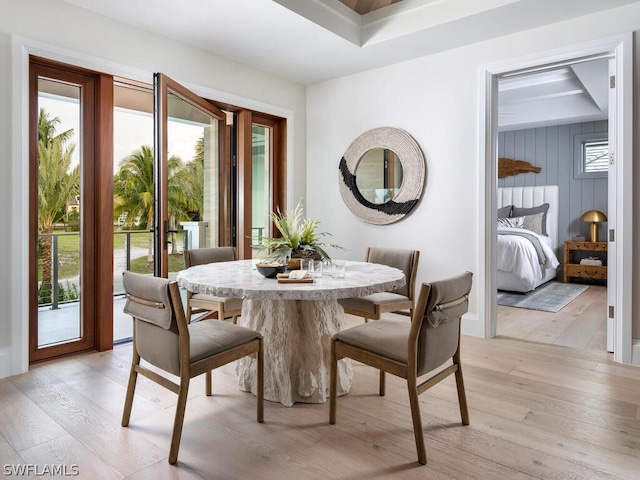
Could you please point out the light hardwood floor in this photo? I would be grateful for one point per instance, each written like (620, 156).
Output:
(581, 324)
(537, 411)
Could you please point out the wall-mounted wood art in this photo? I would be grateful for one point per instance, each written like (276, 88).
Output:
(508, 167)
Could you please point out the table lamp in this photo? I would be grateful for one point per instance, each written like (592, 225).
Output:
(595, 217)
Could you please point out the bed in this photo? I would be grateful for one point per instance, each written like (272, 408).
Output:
(528, 238)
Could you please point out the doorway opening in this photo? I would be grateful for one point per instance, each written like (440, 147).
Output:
(619, 233)
(546, 116)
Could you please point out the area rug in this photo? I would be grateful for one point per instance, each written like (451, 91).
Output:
(550, 297)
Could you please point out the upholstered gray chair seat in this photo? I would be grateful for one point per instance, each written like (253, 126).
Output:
(211, 338)
(384, 337)
(430, 344)
(369, 303)
(228, 302)
(163, 337)
(222, 307)
(398, 301)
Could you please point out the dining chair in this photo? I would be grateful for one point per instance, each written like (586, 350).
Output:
(412, 350)
(163, 338)
(400, 300)
(224, 307)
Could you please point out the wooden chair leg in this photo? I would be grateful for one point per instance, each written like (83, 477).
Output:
(333, 384)
(417, 420)
(382, 383)
(207, 384)
(188, 313)
(462, 397)
(235, 319)
(131, 388)
(260, 395)
(179, 420)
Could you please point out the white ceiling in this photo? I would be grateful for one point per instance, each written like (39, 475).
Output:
(569, 94)
(309, 41)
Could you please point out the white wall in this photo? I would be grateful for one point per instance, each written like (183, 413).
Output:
(80, 37)
(435, 99)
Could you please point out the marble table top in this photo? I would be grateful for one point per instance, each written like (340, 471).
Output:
(241, 279)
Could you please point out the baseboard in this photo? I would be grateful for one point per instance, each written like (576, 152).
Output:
(635, 351)
(471, 325)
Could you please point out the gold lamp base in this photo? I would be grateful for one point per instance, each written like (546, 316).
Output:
(593, 230)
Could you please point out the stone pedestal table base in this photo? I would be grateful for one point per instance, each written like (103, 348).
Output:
(297, 349)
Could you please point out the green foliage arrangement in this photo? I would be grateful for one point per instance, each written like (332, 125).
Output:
(299, 238)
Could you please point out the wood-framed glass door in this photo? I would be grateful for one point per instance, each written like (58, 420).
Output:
(190, 193)
(70, 224)
(261, 177)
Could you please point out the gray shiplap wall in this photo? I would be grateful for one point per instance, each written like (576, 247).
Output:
(552, 148)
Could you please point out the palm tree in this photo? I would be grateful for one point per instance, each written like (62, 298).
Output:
(134, 193)
(194, 178)
(57, 183)
(180, 199)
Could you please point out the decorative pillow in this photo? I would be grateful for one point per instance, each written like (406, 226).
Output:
(533, 222)
(513, 222)
(544, 208)
(505, 212)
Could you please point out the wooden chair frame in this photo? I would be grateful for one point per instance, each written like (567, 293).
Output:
(407, 371)
(215, 309)
(189, 370)
(396, 307)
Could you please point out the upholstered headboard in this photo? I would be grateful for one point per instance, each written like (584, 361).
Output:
(532, 197)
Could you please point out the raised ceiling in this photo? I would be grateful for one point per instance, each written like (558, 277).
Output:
(366, 6)
(309, 41)
(312, 41)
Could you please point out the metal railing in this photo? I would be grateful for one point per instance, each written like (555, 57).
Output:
(55, 261)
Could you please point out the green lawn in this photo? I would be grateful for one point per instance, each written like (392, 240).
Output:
(140, 265)
(69, 247)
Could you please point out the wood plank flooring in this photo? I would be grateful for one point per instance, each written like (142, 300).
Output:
(537, 412)
(581, 324)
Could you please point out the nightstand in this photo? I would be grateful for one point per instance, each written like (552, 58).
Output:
(576, 270)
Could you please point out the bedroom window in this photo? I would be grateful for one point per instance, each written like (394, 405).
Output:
(590, 155)
(595, 156)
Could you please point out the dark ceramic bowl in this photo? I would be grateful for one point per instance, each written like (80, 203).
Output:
(269, 271)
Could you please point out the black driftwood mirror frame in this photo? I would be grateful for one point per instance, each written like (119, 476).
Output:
(413, 178)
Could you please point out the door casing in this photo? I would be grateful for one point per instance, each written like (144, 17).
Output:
(621, 46)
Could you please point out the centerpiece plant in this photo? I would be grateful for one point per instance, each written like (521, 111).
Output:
(298, 238)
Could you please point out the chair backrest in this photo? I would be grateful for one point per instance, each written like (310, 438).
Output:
(156, 320)
(202, 256)
(435, 326)
(405, 260)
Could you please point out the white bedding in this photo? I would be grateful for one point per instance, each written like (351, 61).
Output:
(531, 275)
(518, 256)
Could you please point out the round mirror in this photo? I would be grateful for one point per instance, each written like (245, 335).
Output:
(379, 175)
(382, 175)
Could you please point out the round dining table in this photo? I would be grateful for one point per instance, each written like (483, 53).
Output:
(296, 320)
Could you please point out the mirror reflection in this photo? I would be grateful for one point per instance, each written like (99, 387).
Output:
(379, 175)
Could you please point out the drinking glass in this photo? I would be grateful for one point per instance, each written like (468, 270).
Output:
(337, 268)
(315, 268)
